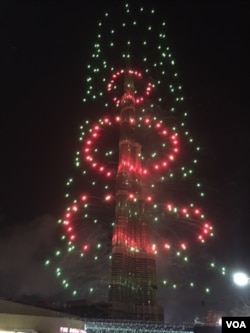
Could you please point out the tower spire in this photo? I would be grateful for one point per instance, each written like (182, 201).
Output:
(129, 87)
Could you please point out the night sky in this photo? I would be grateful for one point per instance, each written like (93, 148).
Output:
(45, 47)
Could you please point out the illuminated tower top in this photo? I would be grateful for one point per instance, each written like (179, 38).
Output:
(129, 89)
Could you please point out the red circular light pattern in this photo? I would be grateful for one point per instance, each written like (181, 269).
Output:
(169, 138)
(187, 214)
(135, 74)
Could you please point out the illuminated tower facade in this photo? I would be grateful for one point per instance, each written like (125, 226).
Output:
(133, 288)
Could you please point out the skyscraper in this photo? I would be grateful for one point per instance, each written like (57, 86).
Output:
(133, 287)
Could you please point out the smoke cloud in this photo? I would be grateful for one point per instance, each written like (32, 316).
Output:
(23, 249)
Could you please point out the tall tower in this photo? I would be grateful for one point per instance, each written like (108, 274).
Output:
(133, 288)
